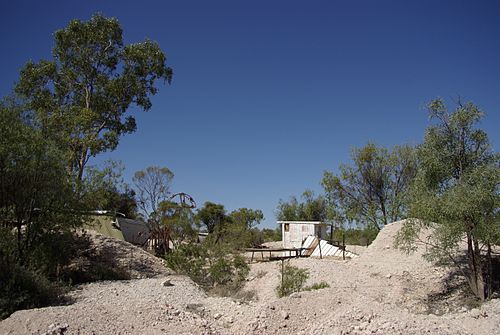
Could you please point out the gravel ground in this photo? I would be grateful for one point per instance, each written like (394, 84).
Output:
(381, 292)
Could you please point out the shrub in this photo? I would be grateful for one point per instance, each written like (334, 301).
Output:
(362, 237)
(209, 267)
(21, 287)
(292, 280)
(316, 286)
(191, 260)
(270, 235)
(220, 271)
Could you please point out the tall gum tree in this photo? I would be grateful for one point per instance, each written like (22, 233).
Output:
(82, 95)
(373, 189)
(456, 193)
(152, 186)
(311, 208)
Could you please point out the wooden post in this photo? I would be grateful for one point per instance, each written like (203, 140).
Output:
(320, 253)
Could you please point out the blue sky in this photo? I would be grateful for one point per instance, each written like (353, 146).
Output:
(268, 94)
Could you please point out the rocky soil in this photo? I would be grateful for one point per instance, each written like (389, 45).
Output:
(381, 292)
(124, 257)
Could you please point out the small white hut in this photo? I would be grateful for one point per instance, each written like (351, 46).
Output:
(293, 233)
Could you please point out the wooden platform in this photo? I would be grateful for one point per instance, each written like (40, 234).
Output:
(292, 252)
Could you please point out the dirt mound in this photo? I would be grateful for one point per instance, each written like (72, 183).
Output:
(101, 257)
(382, 292)
(126, 257)
(382, 256)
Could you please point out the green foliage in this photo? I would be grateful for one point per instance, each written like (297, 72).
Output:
(213, 217)
(38, 208)
(456, 192)
(241, 231)
(40, 205)
(40, 277)
(190, 259)
(246, 217)
(292, 280)
(237, 237)
(81, 96)
(209, 266)
(36, 194)
(104, 188)
(317, 286)
(236, 230)
(123, 201)
(173, 223)
(31, 279)
(24, 289)
(182, 226)
(270, 235)
(228, 272)
(68, 109)
(311, 209)
(373, 191)
(362, 237)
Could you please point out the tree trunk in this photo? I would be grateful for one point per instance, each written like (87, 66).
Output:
(384, 211)
(476, 279)
(81, 164)
(82, 160)
(489, 282)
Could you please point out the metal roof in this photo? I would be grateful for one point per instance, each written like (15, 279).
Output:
(302, 222)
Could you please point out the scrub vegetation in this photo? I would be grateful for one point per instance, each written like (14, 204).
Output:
(66, 110)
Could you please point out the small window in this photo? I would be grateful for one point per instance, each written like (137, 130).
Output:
(287, 227)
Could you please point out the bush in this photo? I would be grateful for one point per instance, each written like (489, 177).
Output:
(190, 260)
(41, 275)
(21, 287)
(292, 280)
(228, 272)
(271, 235)
(317, 286)
(209, 267)
(362, 237)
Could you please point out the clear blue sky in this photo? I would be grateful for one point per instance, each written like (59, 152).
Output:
(268, 94)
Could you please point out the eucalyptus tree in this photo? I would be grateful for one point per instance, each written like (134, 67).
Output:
(246, 217)
(152, 187)
(36, 195)
(311, 208)
(213, 216)
(373, 190)
(242, 230)
(456, 193)
(82, 95)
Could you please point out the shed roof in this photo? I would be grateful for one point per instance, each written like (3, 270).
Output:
(302, 222)
(134, 231)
